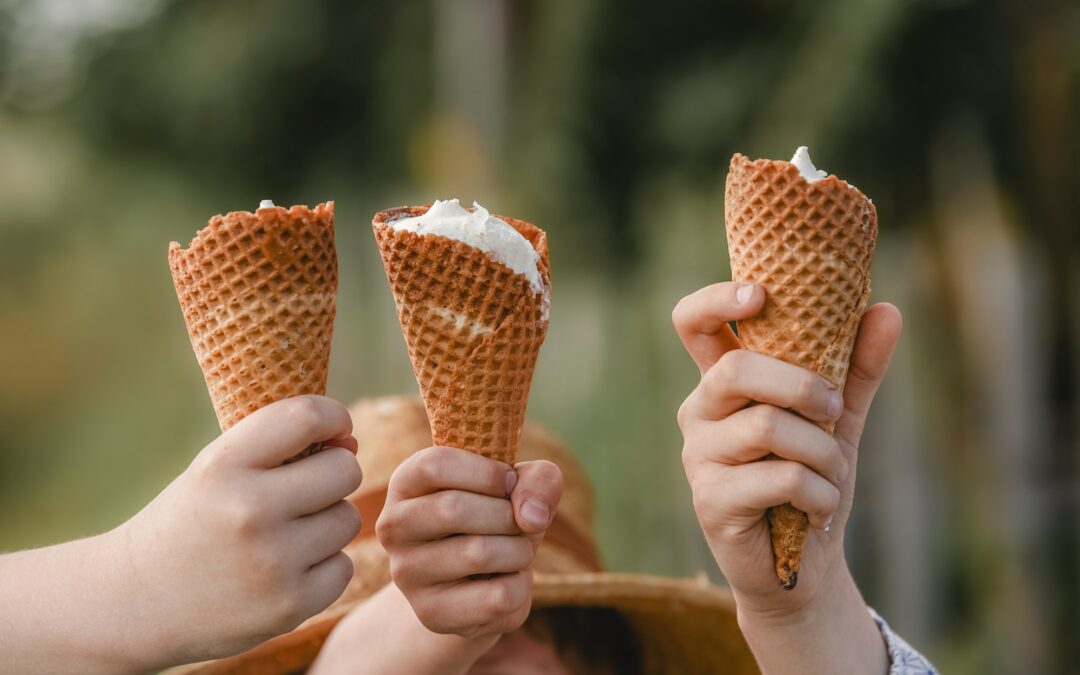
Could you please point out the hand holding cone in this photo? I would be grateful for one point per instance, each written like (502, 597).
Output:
(809, 245)
(258, 292)
(473, 328)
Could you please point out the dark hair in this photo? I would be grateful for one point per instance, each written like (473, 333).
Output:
(589, 640)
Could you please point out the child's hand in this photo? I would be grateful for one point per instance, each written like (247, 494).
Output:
(725, 436)
(241, 547)
(462, 531)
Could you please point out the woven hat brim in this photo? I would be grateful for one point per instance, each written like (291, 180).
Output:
(683, 625)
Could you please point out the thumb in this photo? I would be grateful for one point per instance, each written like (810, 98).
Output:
(536, 495)
(879, 332)
(280, 430)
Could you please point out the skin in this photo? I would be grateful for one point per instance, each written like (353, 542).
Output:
(445, 623)
(237, 549)
(823, 625)
(461, 531)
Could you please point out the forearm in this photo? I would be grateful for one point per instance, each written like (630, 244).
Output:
(62, 609)
(833, 634)
(385, 636)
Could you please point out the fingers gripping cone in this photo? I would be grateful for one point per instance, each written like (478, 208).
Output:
(258, 292)
(473, 328)
(809, 245)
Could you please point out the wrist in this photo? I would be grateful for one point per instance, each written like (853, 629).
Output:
(415, 649)
(127, 623)
(831, 631)
(783, 610)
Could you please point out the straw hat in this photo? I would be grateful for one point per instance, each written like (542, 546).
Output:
(684, 625)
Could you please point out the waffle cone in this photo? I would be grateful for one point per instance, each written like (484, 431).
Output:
(809, 245)
(258, 292)
(473, 328)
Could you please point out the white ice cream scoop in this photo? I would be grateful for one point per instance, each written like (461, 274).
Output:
(481, 230)
(802, 162)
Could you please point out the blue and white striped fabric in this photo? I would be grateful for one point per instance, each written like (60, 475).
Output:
(903, 659)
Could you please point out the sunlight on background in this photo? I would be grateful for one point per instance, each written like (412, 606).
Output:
(126, 124)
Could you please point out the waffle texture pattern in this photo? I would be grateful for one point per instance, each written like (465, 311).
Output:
(809, 245)
(473, 328)
(258, 292)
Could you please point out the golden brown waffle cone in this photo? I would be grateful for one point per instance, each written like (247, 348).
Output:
(473, 328)
(809, 245)
(258, 292)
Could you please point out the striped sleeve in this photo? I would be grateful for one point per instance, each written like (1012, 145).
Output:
(903, 659)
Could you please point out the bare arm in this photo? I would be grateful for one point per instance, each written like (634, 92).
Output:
(237, 549)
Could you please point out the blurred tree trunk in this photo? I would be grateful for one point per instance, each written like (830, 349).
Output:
(465, 138)
(894, 529)
(1050, 95)
(996, 282)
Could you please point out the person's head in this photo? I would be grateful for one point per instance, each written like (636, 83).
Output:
(566, 641)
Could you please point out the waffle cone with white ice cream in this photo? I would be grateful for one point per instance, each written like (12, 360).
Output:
(472, 293)
(808, 239)
(258, 292)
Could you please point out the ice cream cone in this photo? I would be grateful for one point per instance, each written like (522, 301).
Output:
(473, 328)
(258, 292)
(809, 245)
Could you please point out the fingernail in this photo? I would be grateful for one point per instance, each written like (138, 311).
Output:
(828, 524)
(744, 293)
(844, 471)
(836, 403)
(511, 481)
(535, 513)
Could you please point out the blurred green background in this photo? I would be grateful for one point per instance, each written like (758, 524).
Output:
(125, 124)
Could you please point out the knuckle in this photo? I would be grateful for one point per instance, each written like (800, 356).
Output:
(346, 569)
(516, 618)
(705, 504)
(834, 498)
(387, 526)
(724, 372)
(266, 568)
(683, 415)
(476, 551)
(764, 425)
(241, 518)
(350, 518)
(350, 470)
(431, 613)
(448, 511)
(689, 457)
(303, 412)
(793, 478)
(680, 314)
(542, 478)
(401, 571)
(732, 363)
(431, 465)
(497, 601)
(209, 465)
